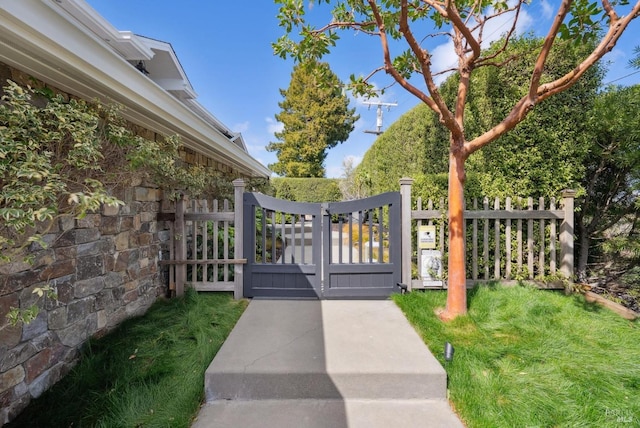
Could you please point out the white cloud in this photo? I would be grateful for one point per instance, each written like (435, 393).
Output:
(547, 9)
(334, 172)
(443, 56)
(355, 160)
(273, 126)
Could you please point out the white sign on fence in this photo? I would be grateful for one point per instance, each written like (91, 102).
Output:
(431, 268)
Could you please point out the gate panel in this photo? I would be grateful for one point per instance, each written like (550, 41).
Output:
(282, 247)
(362, 254)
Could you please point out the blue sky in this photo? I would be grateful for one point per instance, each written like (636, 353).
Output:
(225, 49)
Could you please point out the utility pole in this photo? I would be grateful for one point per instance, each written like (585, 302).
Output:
(379, 105)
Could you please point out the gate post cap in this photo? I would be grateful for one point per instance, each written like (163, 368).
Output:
(405, 181)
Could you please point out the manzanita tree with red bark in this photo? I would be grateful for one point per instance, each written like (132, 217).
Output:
(403, 26)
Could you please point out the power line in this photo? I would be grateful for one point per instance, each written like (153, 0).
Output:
(623, 77)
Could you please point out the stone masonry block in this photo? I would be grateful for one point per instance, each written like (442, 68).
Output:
(110, 225)
(80, 309)
(21, 280)
(90, 267)
(9, 335)
(6, 303)
(113, 279)
(88, 287)
(11, 378)
(78, 332)
(67, 222)
(146, 194)
(37, 364)
(145, 239)
(36, 327)
(58, 318)
(45, 381)
(58, 270)
(110, 210)
(122, 241)
(147, 216)
(126, 223)
(87, 235)
(63, 253)
(89, 221)
(15, 267)
(17, 355)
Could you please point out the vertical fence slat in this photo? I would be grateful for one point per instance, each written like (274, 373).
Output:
(519, 241)
(340, 242)
(181, 245)
(485, 247)
(264, 234)
(172, 268)
(303, 236)
(238, 251)
(530, 242)
(380, 238)
(543, 247)
(407, 239)
(507, 241)
(442, 226)
(194, 246)
(360, 253)
(371, 235)
(474, 254)
(205, 245)
(225, 241)
(566, 235)
(215, 235)
(350, 238)
(496, 251)
(552, 240)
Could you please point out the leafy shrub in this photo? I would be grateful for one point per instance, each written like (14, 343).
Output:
(307, 189)
(62, 157)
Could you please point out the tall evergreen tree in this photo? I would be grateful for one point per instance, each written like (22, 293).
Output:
(316, 117)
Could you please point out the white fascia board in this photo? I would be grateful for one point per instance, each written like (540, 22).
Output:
(127, 43)
(44, 44)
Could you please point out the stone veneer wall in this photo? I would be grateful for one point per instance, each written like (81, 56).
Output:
(104, 268)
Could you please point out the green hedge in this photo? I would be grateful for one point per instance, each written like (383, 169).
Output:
(307, 189)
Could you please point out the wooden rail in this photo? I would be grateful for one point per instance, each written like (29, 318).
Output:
(506, 240)
(206, 248)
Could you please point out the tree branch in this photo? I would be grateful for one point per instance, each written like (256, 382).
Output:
(526, 103)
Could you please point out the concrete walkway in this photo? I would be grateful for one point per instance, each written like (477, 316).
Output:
(331, 363)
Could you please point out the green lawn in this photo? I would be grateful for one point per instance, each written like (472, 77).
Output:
(533, 358)
(523, 358)
(147, 373)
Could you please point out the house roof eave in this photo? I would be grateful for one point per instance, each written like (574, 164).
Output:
(37, 38)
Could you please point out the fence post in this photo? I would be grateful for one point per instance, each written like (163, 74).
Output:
(181, 245)
(405, 194)
(567, 234)
(238, 245)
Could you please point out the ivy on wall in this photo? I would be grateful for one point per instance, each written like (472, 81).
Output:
(67, 157)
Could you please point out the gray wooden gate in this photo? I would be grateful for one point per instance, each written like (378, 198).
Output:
(336, 250)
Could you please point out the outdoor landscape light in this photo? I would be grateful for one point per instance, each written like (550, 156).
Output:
(448, 351)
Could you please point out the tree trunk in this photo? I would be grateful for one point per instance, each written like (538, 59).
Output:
(457, 292)
(583, 255)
